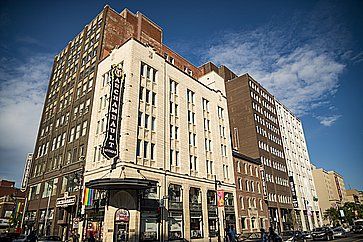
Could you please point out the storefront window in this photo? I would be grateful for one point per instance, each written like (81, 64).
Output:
(196, 218)
(175, 193)
(196, 225)
(211, 198)
(175, 225)
(149, 225)
(228, 199)
(212, 213)
(150, 193)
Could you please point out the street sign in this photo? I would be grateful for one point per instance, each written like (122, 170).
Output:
(66, 201)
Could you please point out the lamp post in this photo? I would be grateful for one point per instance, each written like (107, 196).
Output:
(216, 183)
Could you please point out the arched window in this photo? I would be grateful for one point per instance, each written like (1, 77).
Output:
(242, 202)
(247, 185)
(252, 186)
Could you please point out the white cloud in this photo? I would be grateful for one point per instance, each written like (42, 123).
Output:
(328, 121)
(22, 92)
(299, 61)
(300, 77)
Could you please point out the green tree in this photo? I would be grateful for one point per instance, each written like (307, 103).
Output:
(352, 211)
(332, 215)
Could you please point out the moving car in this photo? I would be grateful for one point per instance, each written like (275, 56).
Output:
(250, 237)
(358, 226)
(26, 238)
(5, 237)
(293, 236)
(50, 239)
(339, 232)
(307, 234)
(324, 233)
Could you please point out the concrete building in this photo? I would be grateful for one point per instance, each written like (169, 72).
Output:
(354, 196)
(167, 102)
(304, 197)
(255, 132)
(11, 205)
(173, 134)
(330, 189)
(251, 205)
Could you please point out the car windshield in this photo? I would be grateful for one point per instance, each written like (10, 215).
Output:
(319, 229)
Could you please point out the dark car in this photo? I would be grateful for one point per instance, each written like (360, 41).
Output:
(26, 238)
(357, 229)
(49, 239)
(8, 237)
(250, 237)
(293, 236)
(324, 233)
(339, 232)
(307, 234)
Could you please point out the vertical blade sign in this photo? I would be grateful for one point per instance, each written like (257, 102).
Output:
(110, 144)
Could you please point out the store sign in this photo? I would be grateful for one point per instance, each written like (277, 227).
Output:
(110, 144)
(66, 201)
(220, 198)
(26, 172)
(293, 192)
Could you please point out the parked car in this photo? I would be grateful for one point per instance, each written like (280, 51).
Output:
(8, 237)
(307, 234)
(249, 237)
(324, 233)
(357, 229)
(293, 236)
(26, 238)
(339, 232)
(358, 226)
(50, 239)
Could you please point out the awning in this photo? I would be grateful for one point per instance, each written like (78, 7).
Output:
(121, 184)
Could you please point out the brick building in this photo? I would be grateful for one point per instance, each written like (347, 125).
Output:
(251, 205)
(255, 132)
(66, 145)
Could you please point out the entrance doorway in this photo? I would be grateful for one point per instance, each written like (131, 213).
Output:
(122, 218)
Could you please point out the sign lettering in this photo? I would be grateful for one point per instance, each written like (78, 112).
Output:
(111, 141)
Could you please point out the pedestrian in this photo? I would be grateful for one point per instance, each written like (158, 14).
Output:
(231, 233)
(263, 235)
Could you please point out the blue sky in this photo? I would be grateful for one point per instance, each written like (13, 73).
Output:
(307, 53)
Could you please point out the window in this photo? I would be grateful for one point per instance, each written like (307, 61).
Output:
(153, 123)
(84, 128)
(152, 151)
(138, 147)
(145, 148)
(146, 121)
(190, 96)
(78, 131)
(241, 201)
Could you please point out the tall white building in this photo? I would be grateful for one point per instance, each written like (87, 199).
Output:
(174, 152)
(299, 169)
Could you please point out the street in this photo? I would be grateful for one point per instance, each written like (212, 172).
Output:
(350, 237)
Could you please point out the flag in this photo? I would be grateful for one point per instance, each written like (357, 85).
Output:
(88, 197)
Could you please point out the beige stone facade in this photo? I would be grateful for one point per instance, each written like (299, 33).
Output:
(354, 196)
(330, 189)
(174, 130)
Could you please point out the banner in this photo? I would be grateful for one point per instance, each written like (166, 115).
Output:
(26, 172)
(220, 198)
(110, 144)
(88, 196)
(293, 192)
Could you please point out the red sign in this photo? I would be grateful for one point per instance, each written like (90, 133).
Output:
(220, 198)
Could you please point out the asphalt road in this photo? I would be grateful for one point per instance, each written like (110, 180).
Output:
(350, 238)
